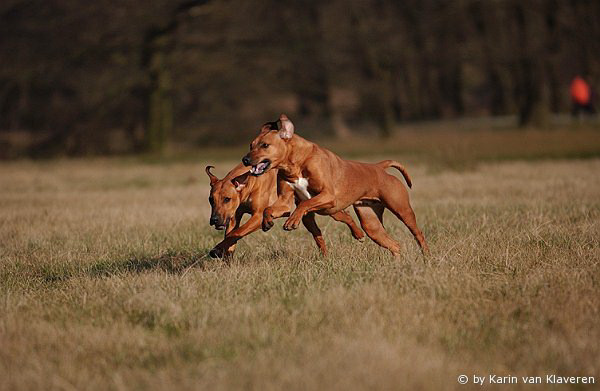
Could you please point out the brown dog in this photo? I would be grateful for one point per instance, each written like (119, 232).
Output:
(239, 193)
(328, 184)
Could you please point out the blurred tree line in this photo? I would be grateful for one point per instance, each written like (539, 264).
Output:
(87, 77)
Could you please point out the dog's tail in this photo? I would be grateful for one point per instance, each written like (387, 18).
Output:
(391, 163)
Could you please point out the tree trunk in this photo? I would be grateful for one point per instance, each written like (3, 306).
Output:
(160, 106)
(378, 76)
(155, 53)
(533, 103)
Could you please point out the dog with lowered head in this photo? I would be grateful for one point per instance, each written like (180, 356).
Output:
(239, 193)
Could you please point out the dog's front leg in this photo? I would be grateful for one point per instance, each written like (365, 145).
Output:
(220, 250)
(281, 208)
(247, 228)
(323, 200)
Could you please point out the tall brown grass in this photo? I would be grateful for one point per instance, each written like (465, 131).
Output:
(95, 290)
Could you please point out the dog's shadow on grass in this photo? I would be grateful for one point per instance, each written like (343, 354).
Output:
(172, 262)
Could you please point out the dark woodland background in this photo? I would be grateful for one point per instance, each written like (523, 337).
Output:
(104, 77)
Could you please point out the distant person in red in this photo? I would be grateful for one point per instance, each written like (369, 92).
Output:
(581, 95)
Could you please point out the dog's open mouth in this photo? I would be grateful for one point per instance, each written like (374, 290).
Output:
(260, 168)
(221, 227)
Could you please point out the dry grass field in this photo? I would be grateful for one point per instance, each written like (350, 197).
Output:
(104, 284)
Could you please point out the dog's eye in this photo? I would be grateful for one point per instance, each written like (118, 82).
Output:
(226, 199)
(264, 145)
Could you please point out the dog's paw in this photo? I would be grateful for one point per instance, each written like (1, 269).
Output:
(216, 253)
(291, 224)
(358, 235)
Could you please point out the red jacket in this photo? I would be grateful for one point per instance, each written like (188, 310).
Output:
(580, 91)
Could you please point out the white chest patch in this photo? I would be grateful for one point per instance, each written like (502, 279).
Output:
(300, 186)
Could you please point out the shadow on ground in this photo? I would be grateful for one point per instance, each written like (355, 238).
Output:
(174, 262)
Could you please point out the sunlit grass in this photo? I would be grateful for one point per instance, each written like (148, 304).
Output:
(104, 283)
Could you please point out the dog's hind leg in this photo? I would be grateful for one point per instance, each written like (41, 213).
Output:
(344, 217)
(370, 218)
(397, 201)
(311, 225)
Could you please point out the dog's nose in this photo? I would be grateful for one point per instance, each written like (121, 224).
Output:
(246, 161)
(214, 220)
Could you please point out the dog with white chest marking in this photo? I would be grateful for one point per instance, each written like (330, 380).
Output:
(327, 184)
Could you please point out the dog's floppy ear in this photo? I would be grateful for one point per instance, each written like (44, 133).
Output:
(286, 127)
(240, 181)
(212, 177)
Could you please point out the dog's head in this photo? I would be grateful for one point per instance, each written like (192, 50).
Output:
(269, 148)
(224, 198)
